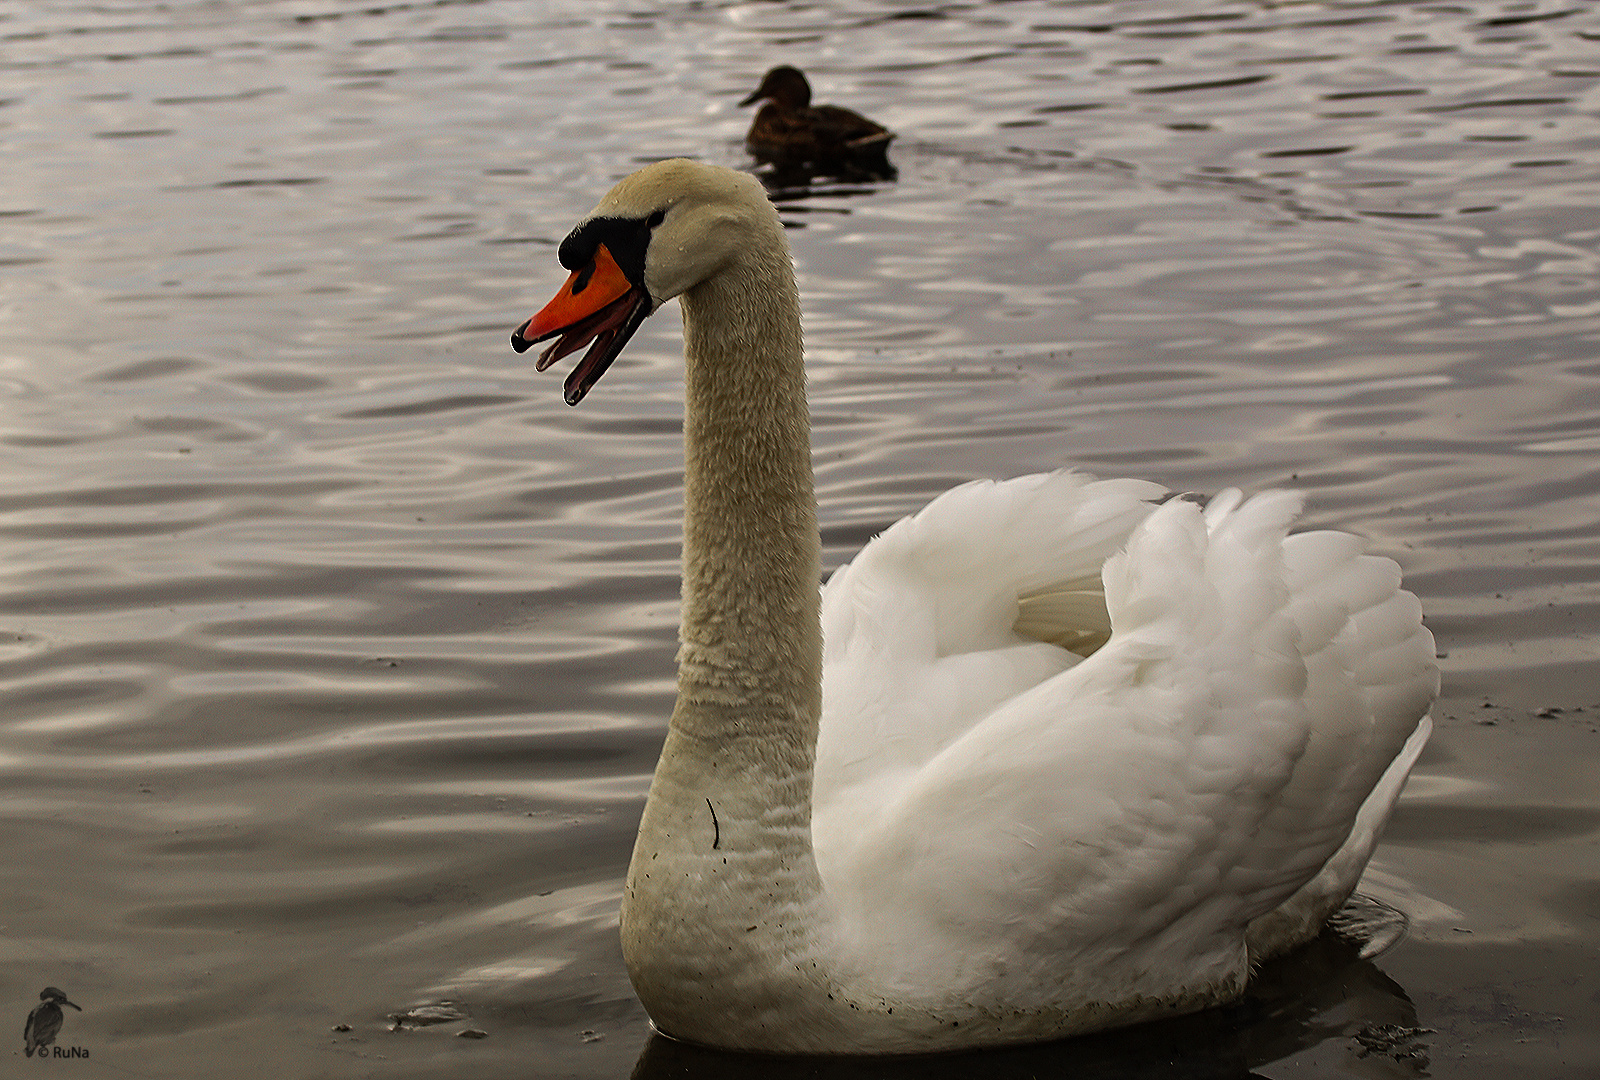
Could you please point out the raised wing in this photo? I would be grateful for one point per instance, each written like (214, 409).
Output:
(1003, 811)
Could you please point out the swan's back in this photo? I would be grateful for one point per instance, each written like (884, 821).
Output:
(995, 813)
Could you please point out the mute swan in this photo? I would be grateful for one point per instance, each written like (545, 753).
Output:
(1049, 756)
(789, 130)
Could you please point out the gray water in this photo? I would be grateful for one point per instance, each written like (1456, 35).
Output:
(335, 651)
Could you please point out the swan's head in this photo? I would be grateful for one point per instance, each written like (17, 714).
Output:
(657, 234)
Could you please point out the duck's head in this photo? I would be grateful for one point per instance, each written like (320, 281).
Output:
(784, 84)
(657, 234)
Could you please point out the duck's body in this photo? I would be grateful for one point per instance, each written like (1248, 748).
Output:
(1068, 759)
(790, 131)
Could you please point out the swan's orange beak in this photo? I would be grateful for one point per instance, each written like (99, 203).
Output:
(599, 304)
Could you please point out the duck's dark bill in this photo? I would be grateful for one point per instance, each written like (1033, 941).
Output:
(597, 304)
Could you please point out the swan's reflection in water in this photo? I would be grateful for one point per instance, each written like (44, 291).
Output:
(1325, 993)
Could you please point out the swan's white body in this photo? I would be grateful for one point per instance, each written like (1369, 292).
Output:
(1070, 756)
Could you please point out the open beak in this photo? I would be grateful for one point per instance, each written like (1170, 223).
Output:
(597, 304)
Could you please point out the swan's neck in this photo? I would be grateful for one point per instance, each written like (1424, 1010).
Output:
(750, 664)
(722, 901)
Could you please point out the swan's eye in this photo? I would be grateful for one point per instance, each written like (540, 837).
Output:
(656, 218)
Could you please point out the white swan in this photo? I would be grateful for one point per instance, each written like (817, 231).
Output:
(1052, 755)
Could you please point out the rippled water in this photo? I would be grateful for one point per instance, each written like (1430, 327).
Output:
(335, 651)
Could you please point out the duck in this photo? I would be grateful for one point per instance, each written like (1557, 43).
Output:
(789, 132)
(1051, 755)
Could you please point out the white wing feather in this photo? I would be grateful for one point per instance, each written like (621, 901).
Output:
(993, 809)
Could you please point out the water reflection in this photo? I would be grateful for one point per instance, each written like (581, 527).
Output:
(787, 181)
(802, 191)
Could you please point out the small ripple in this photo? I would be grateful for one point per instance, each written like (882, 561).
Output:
(435, 405)
(1205, 84)
(145, 370)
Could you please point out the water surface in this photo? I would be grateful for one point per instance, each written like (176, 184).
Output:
(335, 651)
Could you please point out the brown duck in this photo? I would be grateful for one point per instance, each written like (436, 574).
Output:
(790, 131)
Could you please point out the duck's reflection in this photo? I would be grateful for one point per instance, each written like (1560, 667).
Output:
(779, 173)
(788, 186)
(1325, 993)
